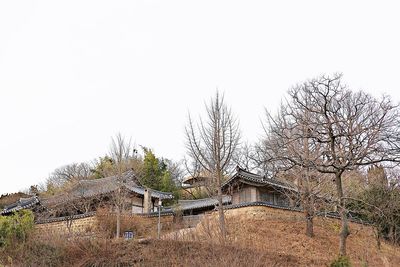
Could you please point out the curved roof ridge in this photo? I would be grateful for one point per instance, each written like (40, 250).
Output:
(20, 204)
(256, 178)
(195, 200)
(201, 203)
(156, 191)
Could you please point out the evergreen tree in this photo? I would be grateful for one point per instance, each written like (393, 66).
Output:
(156, 173)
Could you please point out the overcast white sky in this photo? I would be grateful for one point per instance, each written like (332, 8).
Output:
(75, 73)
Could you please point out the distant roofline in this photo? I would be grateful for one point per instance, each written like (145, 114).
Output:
(22, 203)
(131, 185)
(189, 178)
(200, 203)
(258, 179)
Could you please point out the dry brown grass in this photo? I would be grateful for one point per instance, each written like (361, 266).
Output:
(284, 235)
(182, 253)
(109, 252)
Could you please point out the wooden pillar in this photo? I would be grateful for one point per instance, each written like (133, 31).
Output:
(147, 201)
(253, 194)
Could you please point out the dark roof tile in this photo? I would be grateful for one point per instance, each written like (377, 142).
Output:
(257, 179)
(22, 203)
(200, 203)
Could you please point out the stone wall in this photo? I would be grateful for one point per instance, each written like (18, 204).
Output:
(263, 212)
(277, 214)
(147, 226)
(85, 225)
(88, 225)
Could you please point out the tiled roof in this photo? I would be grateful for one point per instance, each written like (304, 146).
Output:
(73, 217)
(22, 203)
(154, 193)
(201, 203)
(256, 179)
(193, 179)
(94, 187)
(87, 189)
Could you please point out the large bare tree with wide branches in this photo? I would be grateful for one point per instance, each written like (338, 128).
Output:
(336, 131)
(211, 144)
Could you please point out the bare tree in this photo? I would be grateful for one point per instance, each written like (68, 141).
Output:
(70, 174)
(176, 169)
(344, 130)
(287, 138)
(245, 157)
(312, 193)
(211, 145)
(121, 152)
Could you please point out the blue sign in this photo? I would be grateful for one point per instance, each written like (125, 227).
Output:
(128, 235)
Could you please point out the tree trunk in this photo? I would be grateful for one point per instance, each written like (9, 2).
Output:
(344, 230)
(310, 226)
(391, 234)
(378, 237)
(308, 199)
(221, 216)
(309, 213)
(117, 235)
(308, 202)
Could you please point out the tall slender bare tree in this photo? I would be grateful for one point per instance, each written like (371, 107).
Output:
(211, 144)
(344, 130)
(121, 152)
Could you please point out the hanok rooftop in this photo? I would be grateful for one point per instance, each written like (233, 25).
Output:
(88, 195)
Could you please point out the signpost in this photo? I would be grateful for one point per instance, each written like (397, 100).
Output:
(128, 235)
(159, 218)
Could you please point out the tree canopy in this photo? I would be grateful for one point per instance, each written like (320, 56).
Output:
(337, 129)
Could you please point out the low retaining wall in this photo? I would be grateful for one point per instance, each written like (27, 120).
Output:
(87, 224)
(270, 213)
(264, 212)
(68, 226)
(287, 212)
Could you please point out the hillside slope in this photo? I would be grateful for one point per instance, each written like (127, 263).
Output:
(280, 232)
(257, 236)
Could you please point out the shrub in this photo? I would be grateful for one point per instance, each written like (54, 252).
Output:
(341, 261)
(15, 229)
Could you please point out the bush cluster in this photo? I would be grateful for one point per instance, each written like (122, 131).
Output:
(15, 229)
(341, 261)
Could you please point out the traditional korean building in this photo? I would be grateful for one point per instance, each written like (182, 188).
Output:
(243, 188)
(22, 203)
(247, 187)
(88, 195)
(199, 185)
